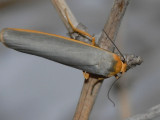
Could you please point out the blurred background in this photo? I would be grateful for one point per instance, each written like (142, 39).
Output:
(33, 88)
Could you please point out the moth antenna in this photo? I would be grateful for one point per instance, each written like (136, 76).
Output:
(108, 94)
(115, 46)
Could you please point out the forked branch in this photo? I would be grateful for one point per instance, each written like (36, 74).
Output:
(87, 100)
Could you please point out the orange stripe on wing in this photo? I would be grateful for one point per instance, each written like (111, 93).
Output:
(65, 38)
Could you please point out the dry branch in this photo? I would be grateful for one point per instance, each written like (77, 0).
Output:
(61, 6)
(152, 113)
(87, 100)
(113, 23)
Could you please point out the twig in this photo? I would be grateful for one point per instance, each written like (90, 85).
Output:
(152, 113)
(87, 100)
(113, 23)
(61, 6)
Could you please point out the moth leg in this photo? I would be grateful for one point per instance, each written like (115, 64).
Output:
(116, 76)
(86, 75)
(78, 30)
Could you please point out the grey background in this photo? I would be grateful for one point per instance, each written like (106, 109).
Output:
(33, 88)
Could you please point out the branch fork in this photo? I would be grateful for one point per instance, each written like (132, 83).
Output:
(86, 100)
